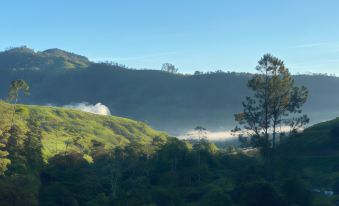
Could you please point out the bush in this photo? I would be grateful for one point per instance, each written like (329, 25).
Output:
(297, 192)
(259, 194)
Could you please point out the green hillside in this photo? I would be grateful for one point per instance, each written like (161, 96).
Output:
(319, 139)
(146, 173)
(61, 127)
(316, 153)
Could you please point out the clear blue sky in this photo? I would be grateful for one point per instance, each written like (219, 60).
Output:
(192, 34)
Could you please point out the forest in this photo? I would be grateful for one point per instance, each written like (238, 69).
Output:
(59, 156)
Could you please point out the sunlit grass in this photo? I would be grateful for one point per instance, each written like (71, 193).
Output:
(60, 125)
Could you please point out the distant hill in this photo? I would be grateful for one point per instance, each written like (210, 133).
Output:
(60, 126)
(171, 102)
(23, 58)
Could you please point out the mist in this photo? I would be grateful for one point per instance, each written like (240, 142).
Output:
(97, 108)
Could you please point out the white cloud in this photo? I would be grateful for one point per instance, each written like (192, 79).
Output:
(98, 108)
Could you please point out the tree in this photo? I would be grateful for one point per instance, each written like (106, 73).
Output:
(198, 73)
(4, 161)
(168, 67)
(276, 103)
(198, 146)
(14, 91)
(33, 145)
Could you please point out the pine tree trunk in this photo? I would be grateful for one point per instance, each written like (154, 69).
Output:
(274, 135)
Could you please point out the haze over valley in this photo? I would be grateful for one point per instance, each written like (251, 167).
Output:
(171, 102)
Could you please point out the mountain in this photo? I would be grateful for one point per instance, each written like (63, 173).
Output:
(171, 102)
(76, 131)
(23, 58)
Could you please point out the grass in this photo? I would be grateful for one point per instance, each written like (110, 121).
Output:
(61, 126)
(316, 153)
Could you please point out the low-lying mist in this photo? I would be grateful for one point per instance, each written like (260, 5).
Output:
(97, 108)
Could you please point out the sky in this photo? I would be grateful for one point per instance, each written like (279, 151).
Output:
(204, 35)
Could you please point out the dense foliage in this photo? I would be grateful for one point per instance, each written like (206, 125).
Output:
(130, 176)
(161, 172)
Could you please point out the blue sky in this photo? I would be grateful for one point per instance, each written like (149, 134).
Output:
(203, 35)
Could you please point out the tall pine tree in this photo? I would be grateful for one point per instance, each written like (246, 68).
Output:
(276, 103)
(33, 145)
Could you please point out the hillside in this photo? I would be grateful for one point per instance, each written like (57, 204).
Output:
(170, 102)
(174, 173)
(61, 127)
(315, 152)
(319, 139)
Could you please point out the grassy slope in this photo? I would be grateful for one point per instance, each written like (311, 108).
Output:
(316, 153)
(315, 140)
(60, 125)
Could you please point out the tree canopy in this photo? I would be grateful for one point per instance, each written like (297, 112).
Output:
(274, 106)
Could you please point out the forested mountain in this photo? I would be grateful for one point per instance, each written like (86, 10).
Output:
(23, 58)
(171, 102)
